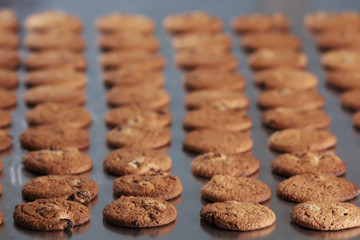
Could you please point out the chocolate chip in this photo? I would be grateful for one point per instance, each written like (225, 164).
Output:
(69, 223)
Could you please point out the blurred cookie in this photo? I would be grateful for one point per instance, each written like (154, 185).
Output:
(8, 40)
(356, 119)
(194, 41)
(338, 39)
(9, 58)
(343, 59)
(5, 141)
(271, 40)
(8, 20)
(350, 100)
(8, 79)
(5, 118)
(1, 218)
(8, 99)
(343, 80)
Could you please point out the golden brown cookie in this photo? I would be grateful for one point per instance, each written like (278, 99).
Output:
(131, 160)
(350, 100)
(342, 59)
(296, 163)
(316, 187)
(8, 99)
(303, 139)
(213, 163)
(9, 58)
(8, 79)
(5, 118)
(8, 20)
(5, 141)
(194, 41)
(1, 218)
(8, 40)
(343, 79)
(356, 120)
(271, 40)
(343, 38)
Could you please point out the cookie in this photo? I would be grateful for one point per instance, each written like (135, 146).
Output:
(194, 41)
(5, 141)
(130, 160)
(8, 40)
(316, 187)
(135, 116)
(132, 59)
(56, 77)
(303, 139)
(146, 97)
(128, 42)
(54, 94)
(8, 79)
(281, 78)
(215, 140)
(290, 98)
(343, 80)
(342, 59)
(139, 212)
(125, 23)
(55, 59)
(133, 136)
(50, 214)
(5, 118)
(213, 79)
(8, 99)
(267, 58)
(203, 98)
(283, 118)
(1, 218)
(130, 77)
(213, 163)
(57, 162)
(276, 22)
(242, 189)
(232, 120)
(326, 216)
(55, 114)
(54, 41)
(54, 137)
(192, 22)
(297, 163)
(350, 100)
(9, 58)
(356, 119)
(74, 188)
(53, 20)
(239, 216)
(343, 38)
(8, 20)
(271, 40)
(158, 185)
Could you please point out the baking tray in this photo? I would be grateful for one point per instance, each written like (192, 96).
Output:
(188, 224)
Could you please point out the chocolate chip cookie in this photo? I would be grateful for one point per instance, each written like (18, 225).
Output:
(8, 99)
(5, 141)
(342, 59)
(8, 79)
(193, 41)
(271, 40)
(343, 80)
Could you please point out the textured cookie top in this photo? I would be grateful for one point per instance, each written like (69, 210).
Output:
(210, 164)
(316, 187)
(9, 58)
(342, 38)
(8, 79)
(239, 216)
(7, 99)
(350, 99)
(126, 161)
(67, 161)
(202, 40)
(223, 188)
(302, 139)
(343, 80)
(53, 137)
(192, 22)
(74, 188)
(139, 212)
(50, 214)
(5, 140)
(291, 164)
(159, 185)
(291, 98)
(271, 40)
(343, 59)
(214, 140)
(8, 20)
(5, 118)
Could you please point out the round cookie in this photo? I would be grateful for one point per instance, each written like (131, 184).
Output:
(54, 94)
(5, 118)
(5, 141)
(356, 120)
(283, 118)
(131, 160)
(57, 162)
(242, 189)
(53, 137)
(343, 80)
(124, 23)
(55, 114)
(53, 20)
(192, 22)
(213, 79)
(74, 188)
(290, 98)
(239, 216)
(56, 77)
(343, 38)
(8, 99)
(350, 100)
(326, 216)
(281, 78)
(238, 165)
(213, 140)
(316, 187)
(9, 58)
(210, 118)
(303, 139)
(267, 58)
(193, 41)
(277, 22)
(55, 59)
(50, 214)
(297, 163)
(145, 97)
(8, 79)
(142, 137)
(128, 42)
(342, 59)
(271, 40)
(1, 218)
(205, 98)
(135, 116)
(130, 77)
(139, 212)
(152, 184)
(8, 20)
(8, 40)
